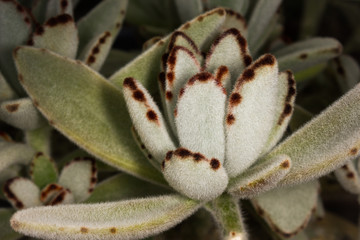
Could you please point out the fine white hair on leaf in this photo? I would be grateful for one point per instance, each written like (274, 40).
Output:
(235, 20)
(22, 193)
(348, 177)
(130, 219)
(181, 66)
(65, 196)
(324, 143)
(179, 38)
(49, 192)
(194, 175)
(21, 113)
(229, 49)
(251, 114)
(260, 177)
(284, 108)
(222, 74)
(80, 177)
(147, 119)
(200, 116)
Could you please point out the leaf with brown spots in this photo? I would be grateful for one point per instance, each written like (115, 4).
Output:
(348, 177)
(137, 218)
(43, 171)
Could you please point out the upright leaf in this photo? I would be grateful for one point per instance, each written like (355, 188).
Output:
(43, 170)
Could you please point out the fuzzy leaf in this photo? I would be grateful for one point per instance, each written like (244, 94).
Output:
(95, 114)
(43, 170)
(307, 53)
(80, 176)
(6, 174)
(6, 233)
(195, 175)
(260, 178)
(260, 18)
(95, 53)
(58, 7)
(148, 62)
(189, 10)
(106, 16)
(348, 177)
(284, 108)
(14, 153)
(58, 34)
(22, 193)
(132, 219)
(39, 139)
(65, 196)
(251, 114)
(288, 210)
(324, 143)
(15, 27)
(299, 118)
(123, 187)
(147, 119)
(200, 114)
(235, 20)
(6, 92)
(230, 50)
(347, 72)
(21, 113)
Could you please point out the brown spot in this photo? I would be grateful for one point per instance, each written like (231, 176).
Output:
(93, 180)
(182, 152)
(221, 12)
(91, 59)
(235, 99)
(61, 19)
(186, 26)
(142, 146)
(130, 83)
(38, 154)
(5, 136)
(170, 77)
(287, 109)
(10, 195)
(95, 50)
(198, 156)
(84, 230)
(248, 75)
(175, 112)
(15, 224)
(214, 163)
(118, 25)
(21, 77)
(247, 60)
(353, 151)
(162, 80)
(169, 155)
(268, 59)
(303, 56)
(51, 122)
(164, 58)
(345, 167)
(169, 95)
(260, 211)
(58, 199)
(350, 175)
(291, 93)
(202, 77)
(27, 20)
(163, 164)
(230, 119)
(64, 4)
(30, 42)
(39, 30)
(113, 230)
(233, 234)
(12, 107)
(285, 164)
(122, 12)
(139, 96)
(19, 8)
(151, 115)
(149, 156)
(221, 72)
(200, 18)
(102, 40)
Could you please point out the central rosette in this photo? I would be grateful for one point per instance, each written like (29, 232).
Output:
(209, 136)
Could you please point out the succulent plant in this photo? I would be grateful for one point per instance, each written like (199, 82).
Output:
(201, 158)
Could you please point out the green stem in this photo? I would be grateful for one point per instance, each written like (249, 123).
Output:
(226, 210)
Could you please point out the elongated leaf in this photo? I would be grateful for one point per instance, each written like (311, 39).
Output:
(14, 153)
(91, 109)
(43, 170)
(132, 219)
(348, 177)
(347, 72)
(288, 210)
(21, 113)
(106, 16)
(326, 142)
(260, 177)
(6, 92)
(307, 53)
(123, 187)
(15, 27)
(6, 233)
(80, 177)
(58, 34)
(312, 15)
(198, 31)
(260, 18)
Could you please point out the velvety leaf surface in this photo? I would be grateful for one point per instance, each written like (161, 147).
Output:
(83, 106)
(14, 153)
(12, 16)
(348, 177)
(324, 143)
(132, 219)
(39, 139)
(43, 170)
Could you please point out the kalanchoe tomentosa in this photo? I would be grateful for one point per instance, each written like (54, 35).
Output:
(213, 132)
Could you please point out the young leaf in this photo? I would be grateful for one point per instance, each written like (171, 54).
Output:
(260, 178)
(58, 34)
(15, 27)
(22, 193)
(43, 170)
(131, 219)
(14, 153)
(80, 177)
(91, 109)
(324, 143)
(278, 209)
(307, 53)
(123, 187)
(21, 113)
